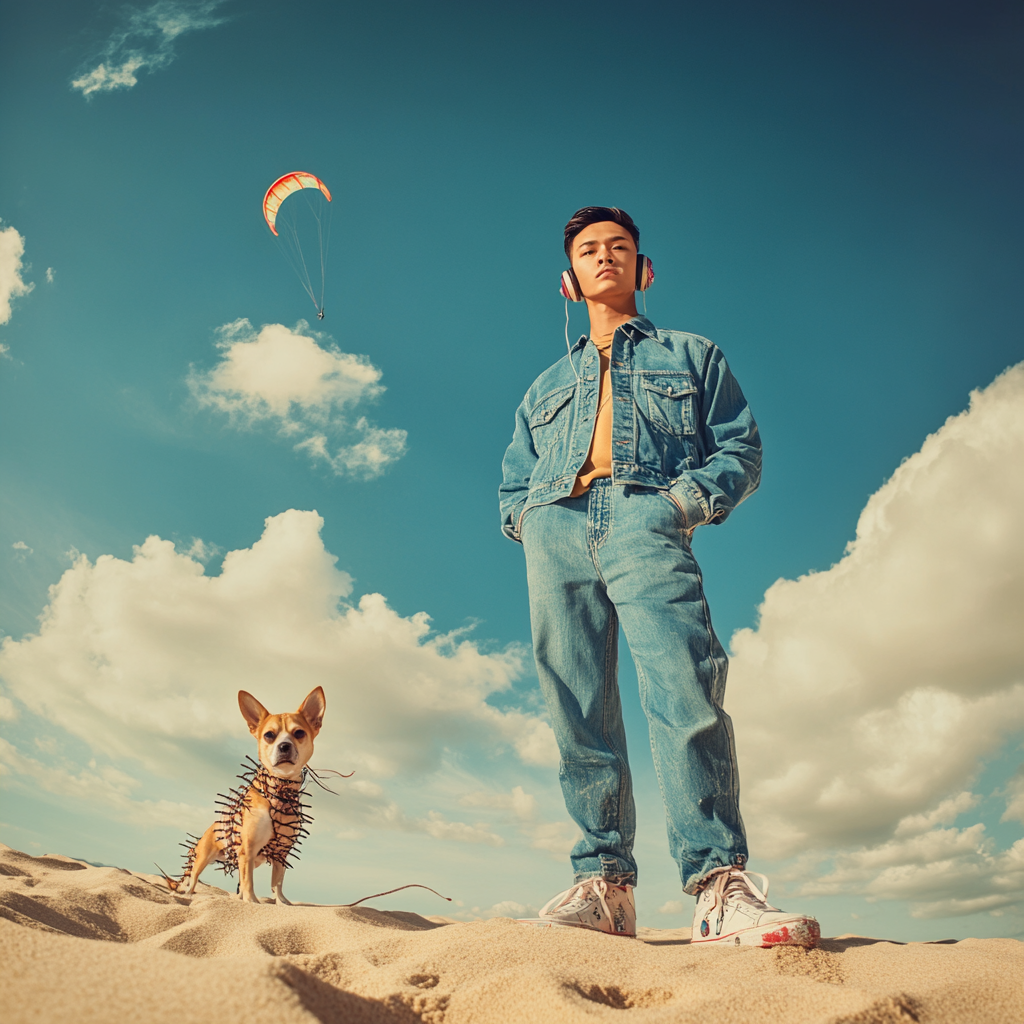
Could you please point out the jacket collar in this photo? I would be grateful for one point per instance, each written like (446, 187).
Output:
(636, 330)
(639, 328)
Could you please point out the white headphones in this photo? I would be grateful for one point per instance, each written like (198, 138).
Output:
(570, 287)
(572, 292)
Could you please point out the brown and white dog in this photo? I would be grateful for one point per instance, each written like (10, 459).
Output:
(264, 821)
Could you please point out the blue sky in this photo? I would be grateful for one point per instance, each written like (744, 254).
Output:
(831, 195)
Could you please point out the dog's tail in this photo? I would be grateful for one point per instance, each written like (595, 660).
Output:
(171, 883)
(190, 859)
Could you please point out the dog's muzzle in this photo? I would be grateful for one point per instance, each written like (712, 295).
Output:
(284, 752)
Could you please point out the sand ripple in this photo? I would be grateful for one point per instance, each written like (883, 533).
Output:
(86, 945)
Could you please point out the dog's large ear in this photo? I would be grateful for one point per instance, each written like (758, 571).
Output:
(313, 708)
(252, 710)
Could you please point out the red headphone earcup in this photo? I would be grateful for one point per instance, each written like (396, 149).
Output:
(571, 286)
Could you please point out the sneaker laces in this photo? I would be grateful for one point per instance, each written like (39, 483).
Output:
(732, 883)
(576, 900)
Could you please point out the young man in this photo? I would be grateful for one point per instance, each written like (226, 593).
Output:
(621, 450)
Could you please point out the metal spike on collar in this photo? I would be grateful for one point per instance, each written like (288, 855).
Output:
(289, 817)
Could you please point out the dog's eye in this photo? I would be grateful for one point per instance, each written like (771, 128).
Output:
(299, 734)
(268, 736)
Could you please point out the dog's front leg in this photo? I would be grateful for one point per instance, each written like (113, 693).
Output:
(246, 882)
(277, 883)
(257, 830)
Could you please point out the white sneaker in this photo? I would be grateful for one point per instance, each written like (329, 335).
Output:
(733, 911)
(596, 904)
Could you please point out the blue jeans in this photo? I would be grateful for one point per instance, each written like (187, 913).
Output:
(621, 554)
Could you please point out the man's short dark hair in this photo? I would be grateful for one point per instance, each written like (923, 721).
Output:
(596, 215)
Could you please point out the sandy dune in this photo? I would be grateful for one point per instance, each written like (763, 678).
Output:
(82, 944)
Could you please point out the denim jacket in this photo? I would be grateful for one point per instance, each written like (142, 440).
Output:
(680, 424)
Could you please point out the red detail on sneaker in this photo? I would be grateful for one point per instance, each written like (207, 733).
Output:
(803, 933)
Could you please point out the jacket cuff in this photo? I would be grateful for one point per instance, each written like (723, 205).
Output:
(692, 501)
(510, 527)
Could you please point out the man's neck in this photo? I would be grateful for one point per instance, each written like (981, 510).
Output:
(604, 319)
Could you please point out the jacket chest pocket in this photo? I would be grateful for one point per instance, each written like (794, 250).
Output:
(549, 417)
(669, 400)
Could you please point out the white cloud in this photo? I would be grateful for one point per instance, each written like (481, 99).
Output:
(201, 551)
(350, 835)
(12, 248)
(1015, 798)
(674, 907)
(554, 837)
(106, 78)
(367, 457)
(506, 908)
(512, 908)
(21, 550)
(944, 873)
(365, 805)
(283, 375)
(107, 787)
(50, 275)
(143, 659)
(521, 803)
(868, 695)
(304, 389)
(435, 825)
(945, 814)
(145, 43)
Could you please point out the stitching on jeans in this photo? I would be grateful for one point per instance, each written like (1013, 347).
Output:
(592, 542)
(734, 782)
(610, 649)
(644, 687)
(679, 508)
(610, 663)
(734, 789)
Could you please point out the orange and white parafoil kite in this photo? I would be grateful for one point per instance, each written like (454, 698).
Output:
(283, 188)
(305, 228)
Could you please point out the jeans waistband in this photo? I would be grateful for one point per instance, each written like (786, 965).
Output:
(582, 501)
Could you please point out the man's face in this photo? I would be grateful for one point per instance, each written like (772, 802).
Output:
(604, 258)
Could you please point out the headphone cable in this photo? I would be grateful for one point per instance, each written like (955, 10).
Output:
(568, 347)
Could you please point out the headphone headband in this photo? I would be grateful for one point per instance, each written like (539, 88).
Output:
(570, 285)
